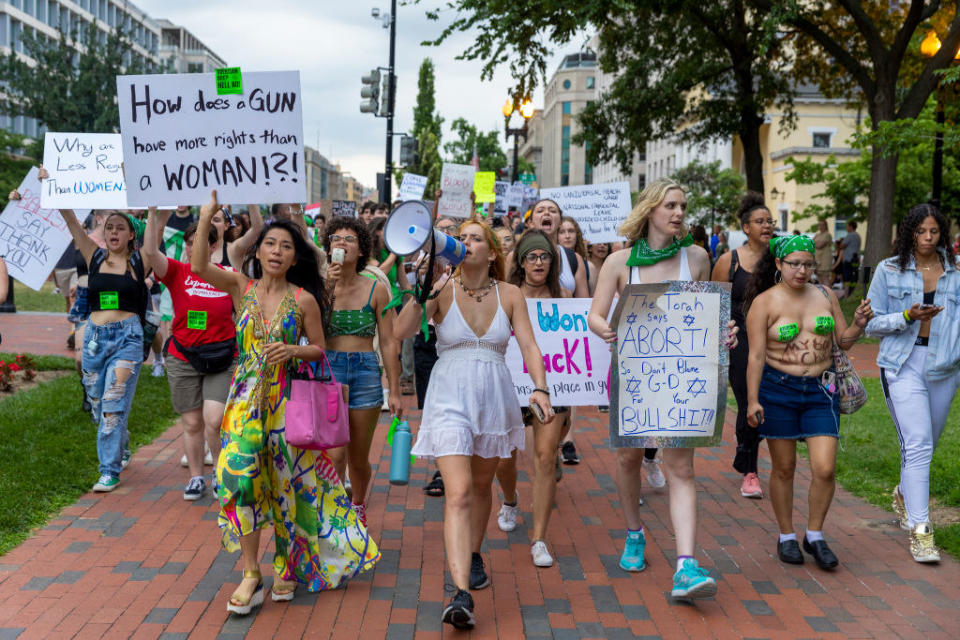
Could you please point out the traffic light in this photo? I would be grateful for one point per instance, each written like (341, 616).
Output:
(371, 92)
(408, 151)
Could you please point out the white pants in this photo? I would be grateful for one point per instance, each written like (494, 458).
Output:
(919, 409)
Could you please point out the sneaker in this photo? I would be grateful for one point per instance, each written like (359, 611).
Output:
(751, 486)
(459, 612)
(106, 484)
(569, 453)
(641, 501)
(900, 509)
(361, 511)
(72, 341)
(604, 408)
(407, 388)
(541, 557)
(207, 456)
(195, 488)
(478, 577)
(507, 518)
(125, 460)
(691, 582)
(386, 404)
(921, 544)
(183, 461)
(654, 474)
(157, 371)
(632, 558)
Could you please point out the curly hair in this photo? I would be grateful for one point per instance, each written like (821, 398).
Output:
(580, 247)
(635, 226)
(750, 202)
(364, 243)
(518, 276)
(305, 272)
(907, 234)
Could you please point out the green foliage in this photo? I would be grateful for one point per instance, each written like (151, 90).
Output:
(424, 116)
(45, 363)
(44, 300)
(431, 164)
(67, 90)
(12, 170)
(713, 193)
(468, 138)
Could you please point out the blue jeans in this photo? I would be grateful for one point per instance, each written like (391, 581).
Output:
(796, 407)
(360, 371)
(107, 349)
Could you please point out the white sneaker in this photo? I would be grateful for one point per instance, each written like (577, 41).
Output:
(654, 474)
(207, 456)
(386, 398)
(183, 461)
(157, 371)
(507, 518)
(541, 557)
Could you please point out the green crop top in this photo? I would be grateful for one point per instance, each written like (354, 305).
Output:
(354, 322)
(787, 332)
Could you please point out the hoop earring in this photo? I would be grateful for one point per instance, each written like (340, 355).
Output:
(777, 277)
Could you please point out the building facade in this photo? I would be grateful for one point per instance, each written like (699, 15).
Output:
(183, 52)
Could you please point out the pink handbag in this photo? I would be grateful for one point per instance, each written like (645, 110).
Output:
(317, 411)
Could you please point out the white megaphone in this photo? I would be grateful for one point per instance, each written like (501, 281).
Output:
(408, 230)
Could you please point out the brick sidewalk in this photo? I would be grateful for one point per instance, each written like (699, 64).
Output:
(141, 562)
(37, 333)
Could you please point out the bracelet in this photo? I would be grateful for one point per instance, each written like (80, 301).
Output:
(535, 389)
(906, 316)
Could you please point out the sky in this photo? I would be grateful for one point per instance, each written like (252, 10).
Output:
(332, 44)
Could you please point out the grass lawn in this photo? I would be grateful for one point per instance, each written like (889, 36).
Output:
(49, 449)
(27, 299)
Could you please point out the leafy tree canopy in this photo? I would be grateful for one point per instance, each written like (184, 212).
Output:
(713, 194)
(460, 150)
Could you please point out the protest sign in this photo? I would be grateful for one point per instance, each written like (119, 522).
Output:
(515, 195)
(32, 239)
(85, 171)
(181, 139)
(669, 382)
(412, 187)
(345, 208)
(483, 182)
(530, 197)
(599, 209)
(500, 201)
(456, 182)
(311, 211)
(576, 360)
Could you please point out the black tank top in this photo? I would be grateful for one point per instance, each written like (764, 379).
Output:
(738, 291)
(114, 291)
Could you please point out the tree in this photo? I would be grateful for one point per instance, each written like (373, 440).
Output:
(487, 146)
(69, 90)
(431, 164)
(688, 69)
(869, 52)
(713, 194)
(13, 167)
(424, 117)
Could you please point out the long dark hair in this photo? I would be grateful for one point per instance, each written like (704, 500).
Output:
(303, 273)
(907, 234)
(518, 276)
(763, 277)
(364, 243)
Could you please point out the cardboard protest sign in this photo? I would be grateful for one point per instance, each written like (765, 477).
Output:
(668, 385)
(599, 209)
(576, 360)
(85, 171)
(412, 187)
(500, 201)
(345, 208)
(530, 197)
(456, 182)
(313, 210)
(32, 239)
(181, 139)
(514, 195)
(483, 182)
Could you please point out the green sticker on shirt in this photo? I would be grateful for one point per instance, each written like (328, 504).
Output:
(109, 300)
(197, 320)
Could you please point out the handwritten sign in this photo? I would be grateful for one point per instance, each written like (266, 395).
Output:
(412, 187)
(598, 208)
(530, 197)
(32, 239)
(456, 181)
(576, 360)
(85, 171)
(181, 139)
(514, 195)
(345, 208)
(483, 183)
(669, 381)
(500, 189)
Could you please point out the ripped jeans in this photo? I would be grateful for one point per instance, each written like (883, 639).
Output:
(112, 355)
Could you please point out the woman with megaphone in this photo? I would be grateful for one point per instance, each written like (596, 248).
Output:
(471, 417)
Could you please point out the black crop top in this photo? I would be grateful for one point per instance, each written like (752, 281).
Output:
(113, 291)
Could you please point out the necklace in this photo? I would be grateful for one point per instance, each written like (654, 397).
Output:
(931, 266)
(480, 292)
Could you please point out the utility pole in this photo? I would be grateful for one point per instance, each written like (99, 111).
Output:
(391, 98)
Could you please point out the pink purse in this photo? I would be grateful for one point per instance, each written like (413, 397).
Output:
(317, 411)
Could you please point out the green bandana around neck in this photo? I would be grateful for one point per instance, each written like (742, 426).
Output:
(643, 256)
(782, 246)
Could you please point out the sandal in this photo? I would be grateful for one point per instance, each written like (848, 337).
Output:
(282, 590)
(435, 487)
(244, 606)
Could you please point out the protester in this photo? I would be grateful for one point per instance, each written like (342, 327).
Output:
(473, 419)
(261, 478)
(715, 241)
(919, 357)
(357, 306)
(823, 244)
(722, 246)
(201, 350)
(381, 210)
(792, 326)
(506, 238)
(546, 216)
(850, 244)
(598, 252)
(736, 267)
(65, 279)
(661, 250)
(365, 215)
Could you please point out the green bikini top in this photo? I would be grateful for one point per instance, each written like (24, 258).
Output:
(787, 332)
(354, 322)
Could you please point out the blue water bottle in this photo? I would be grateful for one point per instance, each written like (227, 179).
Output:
(400, 454)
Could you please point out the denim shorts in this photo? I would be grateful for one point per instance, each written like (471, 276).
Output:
(360, 371)
(797, 407)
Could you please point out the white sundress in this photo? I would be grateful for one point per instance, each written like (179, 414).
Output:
(471, 408)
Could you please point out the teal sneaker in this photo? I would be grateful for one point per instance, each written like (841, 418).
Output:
(106, 483)
(692, 582)
(632, 558)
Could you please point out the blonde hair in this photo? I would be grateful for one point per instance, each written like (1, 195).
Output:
(498, 268)
(635, 226)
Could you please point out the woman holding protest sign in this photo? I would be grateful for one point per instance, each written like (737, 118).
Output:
(792, 326)
(473, 420)
(660, 249)
(736, 267)
(202, 347)
(262, 479)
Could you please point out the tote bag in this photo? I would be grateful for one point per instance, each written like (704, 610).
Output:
(317, 411)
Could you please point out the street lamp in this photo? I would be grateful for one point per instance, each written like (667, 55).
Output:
(526, 112)
(929, 48)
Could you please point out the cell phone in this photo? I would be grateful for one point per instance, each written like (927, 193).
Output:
(336, 255)
(927, 306)
(409, 267)
(537, 411)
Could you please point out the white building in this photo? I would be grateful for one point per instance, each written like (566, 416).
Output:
(665, 155)
(184, 52)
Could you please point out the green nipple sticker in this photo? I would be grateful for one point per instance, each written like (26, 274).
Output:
(788, 332)
(824, 326)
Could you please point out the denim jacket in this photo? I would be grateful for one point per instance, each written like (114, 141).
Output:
(891, 292)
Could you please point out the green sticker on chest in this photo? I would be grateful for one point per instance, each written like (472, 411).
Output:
(824, 326)
(197, 320)
(788, 332)
(109, 300)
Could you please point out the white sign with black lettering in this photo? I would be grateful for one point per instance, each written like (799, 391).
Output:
(86, 171)
(599, 209)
